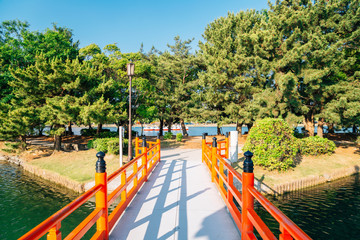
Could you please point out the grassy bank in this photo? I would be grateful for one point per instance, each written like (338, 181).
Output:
(344, 157)
(78, 166)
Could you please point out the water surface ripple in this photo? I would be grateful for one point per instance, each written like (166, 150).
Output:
(327, 211)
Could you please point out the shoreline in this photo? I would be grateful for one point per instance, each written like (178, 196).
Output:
(277, 189)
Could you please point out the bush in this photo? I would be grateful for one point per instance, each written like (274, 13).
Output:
(11, 147)
(316, 146)
(107, 134)
(168, 135)
(179, 137)
(87, 132)
(108, 145)
(272, 143)
(358, 140)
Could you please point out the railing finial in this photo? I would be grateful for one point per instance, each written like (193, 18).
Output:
(248, 163)
(100, 163)
(143, 141)
(214, 143)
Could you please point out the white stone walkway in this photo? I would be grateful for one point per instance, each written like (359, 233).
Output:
(179, 201)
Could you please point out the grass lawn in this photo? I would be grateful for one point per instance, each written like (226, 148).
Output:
(79, 166)
(344, 157)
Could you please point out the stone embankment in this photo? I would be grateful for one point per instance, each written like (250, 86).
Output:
(46, 174)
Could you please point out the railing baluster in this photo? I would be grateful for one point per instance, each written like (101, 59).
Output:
(137, 144)
(284, 234)
(158, 147)
(213, 159)
(54, 233)
(227, 145)
(123, 182)
(144, 159)
(247, 198)
(102, 224)
(203, 147)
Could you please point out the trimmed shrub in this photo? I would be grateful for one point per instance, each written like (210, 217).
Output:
(316, 146)
(179, 137)
(108, 145)
(168, 135)
(272, 143)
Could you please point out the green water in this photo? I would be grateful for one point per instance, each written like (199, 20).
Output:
(26, 201)
(325, 212)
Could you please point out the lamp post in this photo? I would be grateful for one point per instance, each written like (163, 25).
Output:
(130, 73)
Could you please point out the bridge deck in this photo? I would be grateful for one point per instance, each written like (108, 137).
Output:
(178, 202)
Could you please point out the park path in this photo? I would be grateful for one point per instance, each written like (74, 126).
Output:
(179, 201)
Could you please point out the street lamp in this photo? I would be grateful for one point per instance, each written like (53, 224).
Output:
(130, 73)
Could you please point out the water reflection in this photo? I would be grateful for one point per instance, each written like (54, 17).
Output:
(27, 200)
(328, 211)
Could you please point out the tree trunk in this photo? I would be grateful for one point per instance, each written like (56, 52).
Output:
(169, 123)
(330, 128)
(23, 142)
(309, 124)
(99, 128)
(354, 128)
(57, 142)
(41, 129)
(239, 128)
(90, 126)
(183, 127)
(320, 128)
(142, 128)
(218, 128)
(161, 127)
(249, 125)
(70, 129)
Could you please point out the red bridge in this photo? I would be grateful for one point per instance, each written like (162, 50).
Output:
(180, 194)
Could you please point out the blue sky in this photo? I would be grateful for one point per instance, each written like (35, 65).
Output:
(127, 23)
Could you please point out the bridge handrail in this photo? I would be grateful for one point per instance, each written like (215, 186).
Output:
(149, 159)
(223, 175)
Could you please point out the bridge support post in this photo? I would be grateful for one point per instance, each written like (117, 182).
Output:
(159, 146)
(102, 224)
(137, 144)
(144, 158)
(247, 198)
(213, 159)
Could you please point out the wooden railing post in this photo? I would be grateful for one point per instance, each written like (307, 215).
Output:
(227, 145)
(203, 147)
(54, 233)
(213, 159)
(102, 224)
(144, 158)
(247, 198)
(284, 234)
(137, 144)
(159, 146)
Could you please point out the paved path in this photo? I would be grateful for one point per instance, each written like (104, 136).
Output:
(178, 202)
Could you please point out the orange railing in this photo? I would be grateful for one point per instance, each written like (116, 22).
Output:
(132, 175)
(240, 200)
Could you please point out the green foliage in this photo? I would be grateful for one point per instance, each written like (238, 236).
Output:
(272, 143)
(167, 135)
(11, 147)
(108, 145)
(105, 133)
(179, 137)
(358, 140)
(86, 132)
(90, 144)
(316, 145)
